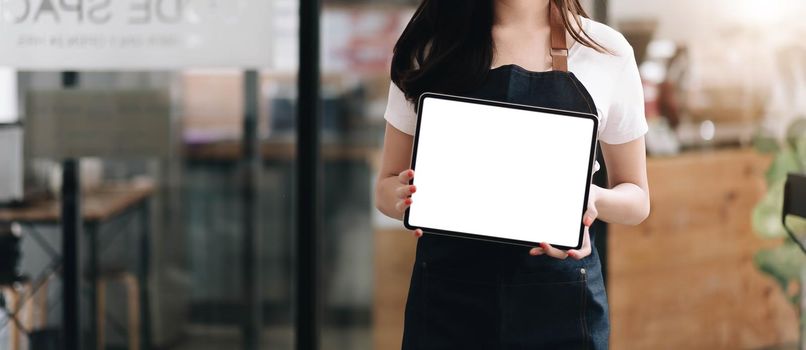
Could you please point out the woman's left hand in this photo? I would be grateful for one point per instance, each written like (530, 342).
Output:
(587, 220)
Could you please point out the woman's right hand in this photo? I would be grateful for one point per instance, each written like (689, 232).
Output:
(404, 192)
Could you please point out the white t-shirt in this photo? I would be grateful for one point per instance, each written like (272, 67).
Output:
(613, 82)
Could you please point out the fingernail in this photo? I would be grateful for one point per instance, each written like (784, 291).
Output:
(571, 254)
(411, 173)
(413, 189)
(408, 201)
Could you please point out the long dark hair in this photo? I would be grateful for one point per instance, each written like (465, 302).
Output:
(447, 45)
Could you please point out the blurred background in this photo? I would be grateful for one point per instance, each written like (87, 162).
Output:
(181, 216)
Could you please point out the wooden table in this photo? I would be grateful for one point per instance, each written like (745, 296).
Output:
(228, 150)
(98, 207)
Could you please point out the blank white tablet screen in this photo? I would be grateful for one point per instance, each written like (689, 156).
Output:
(501, 172)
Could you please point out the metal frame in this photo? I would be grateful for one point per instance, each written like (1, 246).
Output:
(794, 203)
(92, 231)
(250, 171)
(71, 233)
(72, 236)
(308, 172)
(308, 189)
(600, 13)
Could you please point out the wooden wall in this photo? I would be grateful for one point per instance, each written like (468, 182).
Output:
(394, 259)
(684, 279)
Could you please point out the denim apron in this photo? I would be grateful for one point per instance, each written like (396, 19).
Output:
(471, 294)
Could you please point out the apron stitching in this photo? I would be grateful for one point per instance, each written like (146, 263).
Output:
(424, 305)
(543, 283)
(583, 319)
(534, 74)
(590, 110)
(502, 316)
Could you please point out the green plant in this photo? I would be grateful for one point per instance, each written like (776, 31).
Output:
(785, 262)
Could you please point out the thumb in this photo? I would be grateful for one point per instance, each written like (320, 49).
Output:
(590, 215)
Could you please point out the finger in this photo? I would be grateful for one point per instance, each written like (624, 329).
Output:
(405, 191)
(553, 252)
(579, 254)
(403, 204)
(418, 233)
(405, 176)
(536, 251)
(585, 250)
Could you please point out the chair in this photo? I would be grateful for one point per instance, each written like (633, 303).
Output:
(19, 296)
(132, 286)
(132, 301)
(20, 299)
(794, 203)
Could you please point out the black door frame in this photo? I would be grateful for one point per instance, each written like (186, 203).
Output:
(307, 305)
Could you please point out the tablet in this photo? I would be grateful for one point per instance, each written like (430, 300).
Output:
(501, 172)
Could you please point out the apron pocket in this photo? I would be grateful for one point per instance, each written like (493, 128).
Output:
(546, 308)
(460, 311)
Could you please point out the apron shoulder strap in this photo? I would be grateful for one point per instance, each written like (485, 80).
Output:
(559, 46)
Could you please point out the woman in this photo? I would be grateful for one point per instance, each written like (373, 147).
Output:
(469, 294)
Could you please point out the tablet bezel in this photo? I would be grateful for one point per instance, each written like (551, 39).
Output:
(592, 158)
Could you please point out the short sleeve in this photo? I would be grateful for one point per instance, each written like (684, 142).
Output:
(400, 112)
(626, 120)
